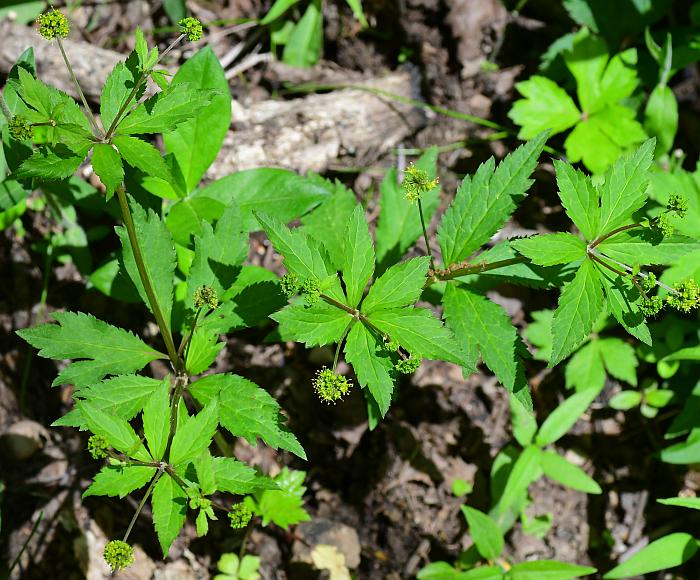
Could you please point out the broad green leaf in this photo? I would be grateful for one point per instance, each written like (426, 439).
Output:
(580, 304)
(667, 552)
(123, 396)
(559, 469)
(420, 333)
(218, 254)
(254, 296)
(328, 222)
(683, 453)
(315, 325)
(120, 480)
(539, 333)
(586, 369)
(49, 164)
(165, 110)
(483, 326)
(196, 142)
(283, 506)
(156, 420)
(619, 80)
(525, 471)
(302, 255)
(625, 188)
(620, 359)
(523, 422)
(600, 139)
(158, 252)
(485, 201)
(142, 156)
(641, 246)
(586, 61)
(546, 106)
(372, 365)
(548, 570)
(623, 301)
(237, 478)
(117, 431)
(194, 435)
(579, 198)
(203, 348)
(551, 249)
(247, 411)
(564, 416)
(400, 285)
(303, 48)
(625, 400)
(108, 166)
(484, 532)
(277, 10)
(118, 86)
(399, 221)
(686, 502)
(109, 350)
(661, 118)
(169, 506)
(358, 263)
(280, 193)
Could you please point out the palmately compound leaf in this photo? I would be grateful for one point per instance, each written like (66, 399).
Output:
(419, 332)
(194, 434)
(484, 532)
(399, 221)
(303, 256)
(372, 365)
(481, 326)
(166, 109)
(625, 188)
(666, 552)
(545, 106)
(551, 249)
(400, 285)
(158, 251)
(156, 420)
(485, 201)
(109, 350)
(118, 432)
(247, 411)
(283, 506)
(237, 478)
(315, 325)
(580, 304)
(218, 254)
(579, 197)
(358, 259)
(120, 480)
(169, 505)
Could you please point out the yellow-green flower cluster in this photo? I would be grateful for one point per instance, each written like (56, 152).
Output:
(239, 516)
(416, 182)
(686, 296)
(311, 289)
(118, 555)
(20, 129)
(53, 24)
(205, 296)
(409, 365)
(191, 28)
(329, 386)
(290, 284)
(677, 204)
(97, 447)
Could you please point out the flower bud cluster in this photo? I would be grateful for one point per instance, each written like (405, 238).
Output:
(191, 28)
(20, 129)
(686, 296)
(239, 516)
(409, 365)
(98, 446)
(329, 386)
(205, 296)
(290, 284)
(416, 182)
(53, 24)
(118, 555)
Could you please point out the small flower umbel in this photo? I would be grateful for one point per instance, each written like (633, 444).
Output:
(205, 296)
(239, 516)
(329, 386)
(53, 24)
(409, 365)
(416, 182)
(686, 296)
(118, 555)
(290, 284)
(677, 204)
(20, 129)
(191, 28)
(97, 447)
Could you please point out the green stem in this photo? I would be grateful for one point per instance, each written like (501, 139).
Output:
(181, 380)
(91, 117)
(142, 503)
(340, 344)
(186, 339)
(352, 311)
(425, 235)
(146, 281)
(616, 231)
(447, 274)
(5, 109)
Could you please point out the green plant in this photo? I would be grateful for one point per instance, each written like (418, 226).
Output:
(234, 568)
(302, 40)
